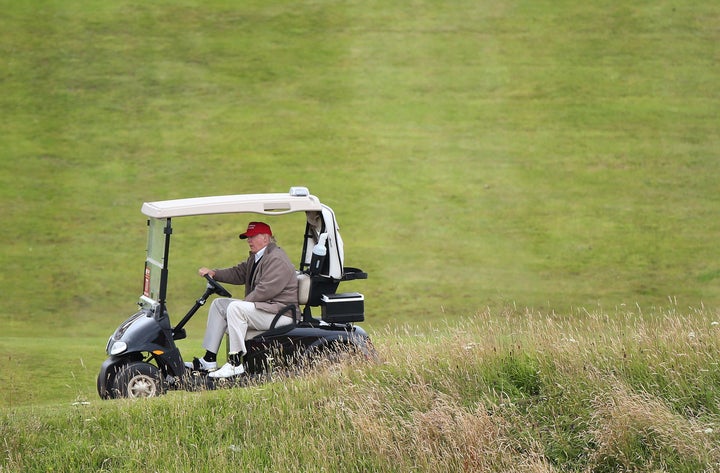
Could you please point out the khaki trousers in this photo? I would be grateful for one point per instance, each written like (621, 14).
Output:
(235, 317)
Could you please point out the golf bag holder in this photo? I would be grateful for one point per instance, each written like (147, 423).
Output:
(323, 293)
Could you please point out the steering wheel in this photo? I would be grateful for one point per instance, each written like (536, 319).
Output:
(219, 290)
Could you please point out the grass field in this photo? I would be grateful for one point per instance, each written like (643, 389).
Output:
(482, 158)
(518, 391)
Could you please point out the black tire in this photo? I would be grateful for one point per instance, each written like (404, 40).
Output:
(337, 351)
(106, 387)
(138, 380)
(327, 353)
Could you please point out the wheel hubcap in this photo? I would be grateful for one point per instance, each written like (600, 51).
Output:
(142, 386)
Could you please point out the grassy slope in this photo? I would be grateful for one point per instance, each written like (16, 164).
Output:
(518, 391)
(545, 154)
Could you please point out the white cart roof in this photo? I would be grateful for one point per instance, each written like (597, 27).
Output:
(320, 217)
(268, 204)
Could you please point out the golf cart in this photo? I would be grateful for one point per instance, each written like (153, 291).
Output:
(143, 359)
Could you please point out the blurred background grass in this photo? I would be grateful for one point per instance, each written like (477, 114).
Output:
(551, 155)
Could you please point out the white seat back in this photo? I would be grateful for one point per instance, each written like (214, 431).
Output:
(303, 288)
(303, 295)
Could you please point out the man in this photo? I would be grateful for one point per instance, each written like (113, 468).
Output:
(270, 284)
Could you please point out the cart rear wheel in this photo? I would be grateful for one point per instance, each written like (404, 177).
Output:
(138, 380)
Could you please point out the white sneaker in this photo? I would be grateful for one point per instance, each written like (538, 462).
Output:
(227, 371)
(199, 364)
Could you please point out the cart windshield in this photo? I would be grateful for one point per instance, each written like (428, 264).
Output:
(155, 261)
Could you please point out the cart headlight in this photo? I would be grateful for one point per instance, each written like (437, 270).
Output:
(117, 348)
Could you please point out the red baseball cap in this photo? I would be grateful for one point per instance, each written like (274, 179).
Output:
(256, 228)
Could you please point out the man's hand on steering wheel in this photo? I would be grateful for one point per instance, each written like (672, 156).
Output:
(219, 290)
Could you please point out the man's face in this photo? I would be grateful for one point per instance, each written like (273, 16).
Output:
(258, 242)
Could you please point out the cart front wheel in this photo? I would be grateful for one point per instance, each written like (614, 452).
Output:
(138, 380)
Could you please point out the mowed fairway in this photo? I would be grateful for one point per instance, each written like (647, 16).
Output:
(552, 155)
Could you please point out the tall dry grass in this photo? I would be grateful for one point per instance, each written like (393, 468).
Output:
(509, 391)
(525, 391)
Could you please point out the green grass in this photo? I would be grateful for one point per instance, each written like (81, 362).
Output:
(500, 391)
(545, 155)
(482, 158)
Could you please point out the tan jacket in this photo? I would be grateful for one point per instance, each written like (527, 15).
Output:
(274, 283)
